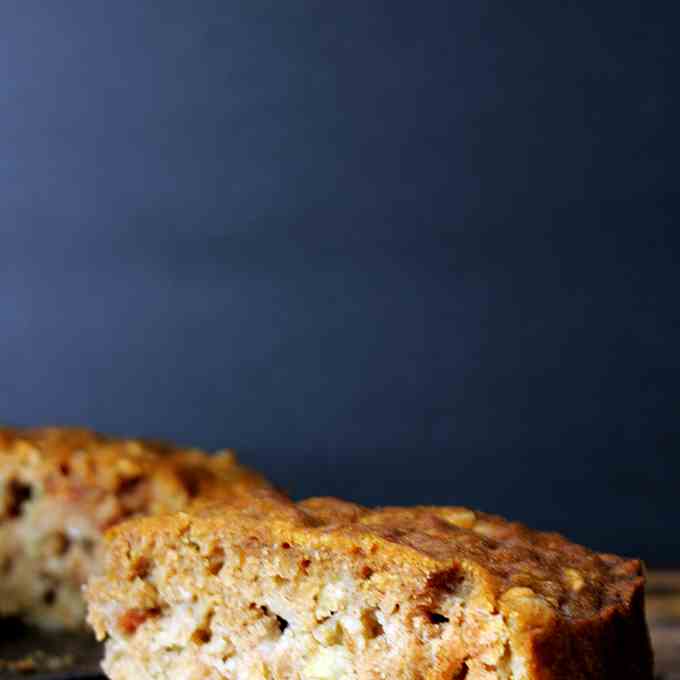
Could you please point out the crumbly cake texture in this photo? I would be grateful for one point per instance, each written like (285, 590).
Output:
(327, 590)
(61, 488)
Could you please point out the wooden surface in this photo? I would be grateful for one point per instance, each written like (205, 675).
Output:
(663, 614)
(47, 656)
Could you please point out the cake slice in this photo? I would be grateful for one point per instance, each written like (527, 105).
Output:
(327, 590)
(61, 488)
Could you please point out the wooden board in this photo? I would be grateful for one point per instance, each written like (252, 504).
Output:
(47, 656)
(663, 613)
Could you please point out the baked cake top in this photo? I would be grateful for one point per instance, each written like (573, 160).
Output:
(538, 576)
(74, 462)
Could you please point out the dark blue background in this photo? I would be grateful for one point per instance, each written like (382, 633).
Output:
(399, 252)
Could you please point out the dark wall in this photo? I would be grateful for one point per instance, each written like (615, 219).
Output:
(399, 252)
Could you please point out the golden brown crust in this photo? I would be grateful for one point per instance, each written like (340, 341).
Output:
(76, 460)
(572, 578)
(572, 614)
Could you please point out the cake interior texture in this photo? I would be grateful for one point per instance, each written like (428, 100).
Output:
(61, 488)
(326, 590)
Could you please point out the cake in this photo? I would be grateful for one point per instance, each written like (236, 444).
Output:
(328, 590)
(61, 488)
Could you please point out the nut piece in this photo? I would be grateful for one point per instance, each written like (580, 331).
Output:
(574, 579)
(461, 517)
(525, 609)
(488, 529)
(328, 633)
(332, 598)
(329, 663)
